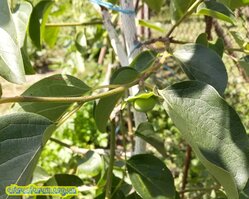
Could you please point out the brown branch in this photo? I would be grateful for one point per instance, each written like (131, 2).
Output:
(208, 28)
(186, 169)
(220, 32)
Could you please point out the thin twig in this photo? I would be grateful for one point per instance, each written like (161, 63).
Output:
(188, 13)
(111, 163)
(70, 24)
(208, 28)
(186, 169)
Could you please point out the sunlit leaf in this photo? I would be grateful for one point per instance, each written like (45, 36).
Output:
(214, 131)
(90, 165)
(50, 35)
(150, 25)
(21, 20)
(216, 10)
(53, 86)
(203, 64)
(12, 68)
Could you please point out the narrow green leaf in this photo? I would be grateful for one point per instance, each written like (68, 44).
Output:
(154, 4)
(150, 25)
(106, 105)
(216, 10)
(51, 35)
(178, 9)
(146, 132)
(53, 86)
(244, 63)
(238, 38)
(29, 70)
(214, 131)
(203, 64)
(144, 60)
(150, 177)
(37, 21)
(22, 136)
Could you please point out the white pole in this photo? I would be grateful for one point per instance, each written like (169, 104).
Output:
(130, 33)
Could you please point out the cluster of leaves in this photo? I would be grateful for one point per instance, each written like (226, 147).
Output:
(210, 126)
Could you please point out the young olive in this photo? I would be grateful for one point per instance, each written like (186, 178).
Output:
(143, 104)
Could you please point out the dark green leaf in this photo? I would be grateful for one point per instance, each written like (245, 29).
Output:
(150, 177)
(178, 9)
(22, 136)
(53, 86)
(216, 10)
(244, 63)
(154, 4)
(202, 39)
(105, 105)
(235, 3)
(218, 47)
(146, 132)
(29, 70)
(134, 195)
(35, 24)
(144, 60)
(203, 64)
(214, 131)
(64, 180)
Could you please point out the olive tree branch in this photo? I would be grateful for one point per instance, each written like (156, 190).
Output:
(81, 99)
(71, 24)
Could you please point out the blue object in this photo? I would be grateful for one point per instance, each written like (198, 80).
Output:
(110, 6)
(137, 46)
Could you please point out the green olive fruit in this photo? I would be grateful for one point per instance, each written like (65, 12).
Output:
(144, 105)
